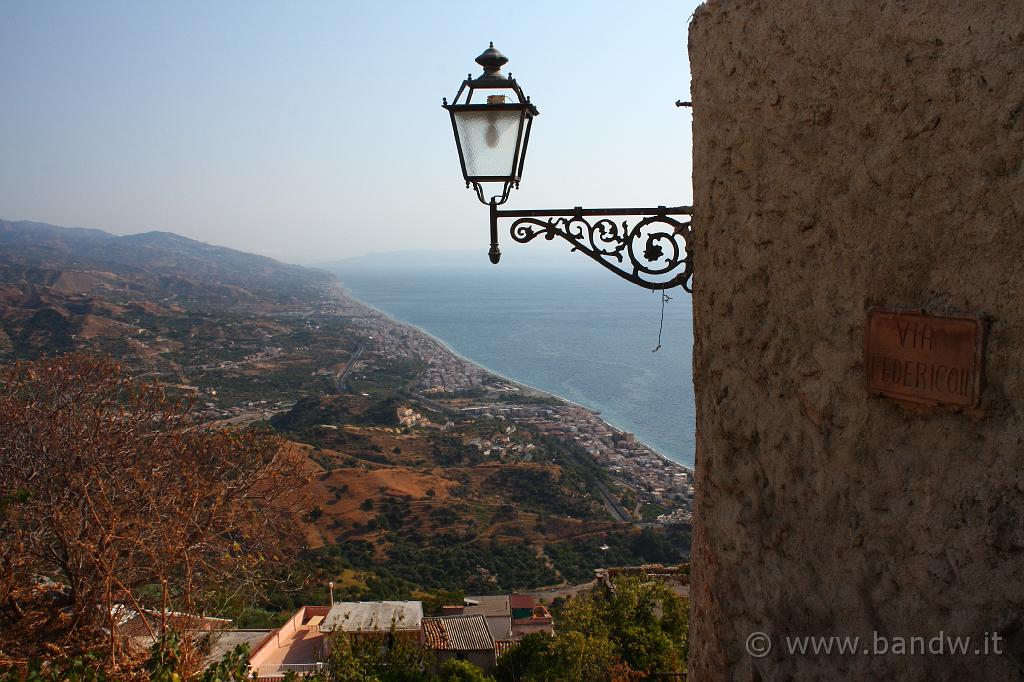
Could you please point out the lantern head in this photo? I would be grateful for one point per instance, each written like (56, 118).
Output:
(491, 120)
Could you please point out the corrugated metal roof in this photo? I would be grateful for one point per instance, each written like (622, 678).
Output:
(374, 616)
(458, 633)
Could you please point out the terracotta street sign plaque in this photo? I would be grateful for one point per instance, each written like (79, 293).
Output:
(931, 359)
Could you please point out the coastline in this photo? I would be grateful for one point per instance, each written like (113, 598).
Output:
(346, 293)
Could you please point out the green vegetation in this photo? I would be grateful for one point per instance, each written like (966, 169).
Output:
(568, 657)
(637, 629)
(651, 511)
(541, 491)
(456, 562)
(251, 618)
(375, 658)
(386, 378)
(448, 450)
(455, 670)
(576, 559)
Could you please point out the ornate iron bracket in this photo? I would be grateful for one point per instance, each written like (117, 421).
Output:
(655, 253)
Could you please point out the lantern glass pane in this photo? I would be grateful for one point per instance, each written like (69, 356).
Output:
(489, 141)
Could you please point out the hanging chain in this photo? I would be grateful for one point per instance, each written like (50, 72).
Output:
(661, 326)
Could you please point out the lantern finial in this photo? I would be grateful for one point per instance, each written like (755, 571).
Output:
(491, 60)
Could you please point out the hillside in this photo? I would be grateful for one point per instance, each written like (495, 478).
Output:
(416, 486)
(78, 260)
(64, 288)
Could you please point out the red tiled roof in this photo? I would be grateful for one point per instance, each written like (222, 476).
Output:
(458, 633)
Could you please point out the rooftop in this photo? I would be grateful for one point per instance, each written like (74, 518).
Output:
(226, 640)
(458, 633)
(489, 606)
(522, 601)
(133, 623)
(296, 645)
(374, 616)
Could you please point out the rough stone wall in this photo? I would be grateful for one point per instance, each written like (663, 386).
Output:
(851, 153)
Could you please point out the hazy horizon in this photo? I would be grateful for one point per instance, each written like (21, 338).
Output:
(550, 255)
(315, 133)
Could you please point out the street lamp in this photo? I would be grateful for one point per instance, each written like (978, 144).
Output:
(491, 136)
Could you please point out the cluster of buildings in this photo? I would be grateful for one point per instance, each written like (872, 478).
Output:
(410, 417)
(445, 371)
(478, 631)
(650, 476)
(245, 411)
(504, 445)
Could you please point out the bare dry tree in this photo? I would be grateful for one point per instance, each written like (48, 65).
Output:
(111, 487)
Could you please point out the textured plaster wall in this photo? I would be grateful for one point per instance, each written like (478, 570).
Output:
(852, 153)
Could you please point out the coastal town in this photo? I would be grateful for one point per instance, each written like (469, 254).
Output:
(457, 386)
(649, 487)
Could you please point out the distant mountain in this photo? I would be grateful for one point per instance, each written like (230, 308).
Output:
(59, 284)
(190, 265)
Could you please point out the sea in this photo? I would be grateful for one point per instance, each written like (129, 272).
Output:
(580, 333)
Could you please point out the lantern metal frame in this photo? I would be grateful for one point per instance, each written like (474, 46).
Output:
(656, 253)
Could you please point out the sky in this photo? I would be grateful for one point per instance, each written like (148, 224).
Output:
(313, 131)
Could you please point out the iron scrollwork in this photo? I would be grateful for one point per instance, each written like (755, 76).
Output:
(645, 254)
